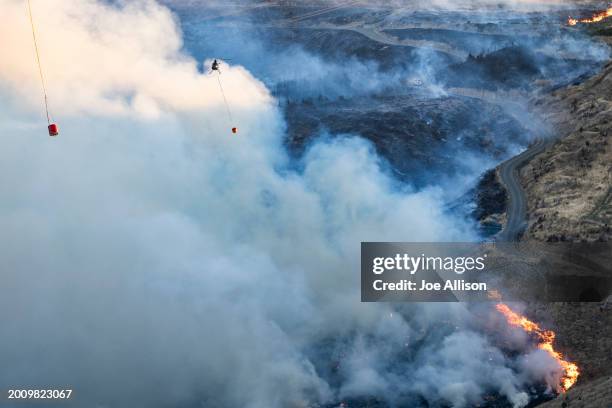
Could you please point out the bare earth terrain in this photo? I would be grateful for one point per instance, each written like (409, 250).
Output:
(569, 186)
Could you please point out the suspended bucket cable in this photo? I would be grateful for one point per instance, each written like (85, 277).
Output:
(53, 128)
(227, 107)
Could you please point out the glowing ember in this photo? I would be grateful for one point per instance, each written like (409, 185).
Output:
(594, 19)
(546, 337)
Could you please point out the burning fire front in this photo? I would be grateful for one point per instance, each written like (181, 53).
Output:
(546, 339)
(594, 19)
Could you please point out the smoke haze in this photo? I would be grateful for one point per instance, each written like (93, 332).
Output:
(151, 258)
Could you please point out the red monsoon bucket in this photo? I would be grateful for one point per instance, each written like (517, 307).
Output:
(53, 130)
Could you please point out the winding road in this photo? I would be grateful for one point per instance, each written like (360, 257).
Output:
(516, 212)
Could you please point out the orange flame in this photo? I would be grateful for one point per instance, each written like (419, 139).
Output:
(546, 337)
(594, 19)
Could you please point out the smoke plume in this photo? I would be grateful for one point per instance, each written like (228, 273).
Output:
(151, 258)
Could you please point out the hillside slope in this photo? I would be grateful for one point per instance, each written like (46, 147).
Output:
(569, 186)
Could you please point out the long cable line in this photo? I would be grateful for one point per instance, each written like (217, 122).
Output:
(40, 71)
(229, 112)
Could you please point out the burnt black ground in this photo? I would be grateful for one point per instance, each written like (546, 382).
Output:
(418, 136)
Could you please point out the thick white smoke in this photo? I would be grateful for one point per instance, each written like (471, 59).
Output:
(104, 58)
(151, 258)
